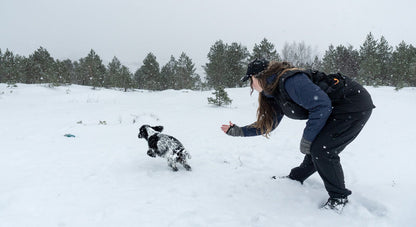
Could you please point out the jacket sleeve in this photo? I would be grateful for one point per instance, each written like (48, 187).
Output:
(250, 130)
(308, 95)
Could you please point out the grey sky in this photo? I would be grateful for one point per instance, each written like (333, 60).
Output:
(130, 29)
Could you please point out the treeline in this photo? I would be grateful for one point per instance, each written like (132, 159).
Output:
(375, 63)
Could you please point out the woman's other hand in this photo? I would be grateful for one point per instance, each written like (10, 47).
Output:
(232, 130)
(225, 128)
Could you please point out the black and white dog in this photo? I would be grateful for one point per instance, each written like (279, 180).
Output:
(164, 146)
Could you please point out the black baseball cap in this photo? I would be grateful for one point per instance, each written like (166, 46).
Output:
(255, 67)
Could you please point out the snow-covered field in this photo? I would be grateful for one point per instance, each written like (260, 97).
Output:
(103, 177)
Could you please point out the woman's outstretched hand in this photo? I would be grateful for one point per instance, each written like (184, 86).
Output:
(232, 130)
(225, 128)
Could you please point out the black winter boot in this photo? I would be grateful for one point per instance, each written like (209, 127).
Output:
(336, 204)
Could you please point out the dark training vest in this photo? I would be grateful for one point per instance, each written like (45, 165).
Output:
(346, 95)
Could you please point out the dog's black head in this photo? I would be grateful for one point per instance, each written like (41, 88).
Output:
(146, 131)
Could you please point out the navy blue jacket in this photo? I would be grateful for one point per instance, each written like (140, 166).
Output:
(308, 95)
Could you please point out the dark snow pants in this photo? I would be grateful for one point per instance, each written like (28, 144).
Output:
(338, 132)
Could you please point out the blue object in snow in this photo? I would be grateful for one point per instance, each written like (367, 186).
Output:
(69, 135)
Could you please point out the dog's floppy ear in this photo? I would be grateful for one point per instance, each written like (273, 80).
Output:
(158, 128)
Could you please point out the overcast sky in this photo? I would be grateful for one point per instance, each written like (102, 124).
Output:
(130, 29)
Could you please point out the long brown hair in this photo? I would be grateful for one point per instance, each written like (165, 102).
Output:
(266, 114)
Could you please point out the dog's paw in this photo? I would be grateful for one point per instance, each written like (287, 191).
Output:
(151, 153)
(187, 167)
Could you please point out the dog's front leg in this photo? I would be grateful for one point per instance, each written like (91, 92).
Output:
(186, 165)
(172, 162)
(182, 159)
(187, 155)
(151, 153)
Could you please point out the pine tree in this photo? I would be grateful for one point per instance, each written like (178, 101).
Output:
(215, 69)
(317, 64)
(13, 68)
(148, 75)
(77, 77)
(221, 97)
(375, 60)
(341, 59)
(265, 50)
(65, 71)
(329, 63)
(91, 70)
(168, 73)
(118, 75)
(9, 68)
(40, 67)
(126, 78)
(2, 68)
(403, 66)
(236, 64)
(384, 54)
(368, 61)
(185, 75)
(227, 63)
(113, 74)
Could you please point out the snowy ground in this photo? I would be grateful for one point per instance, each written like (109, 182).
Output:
(103, 177)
